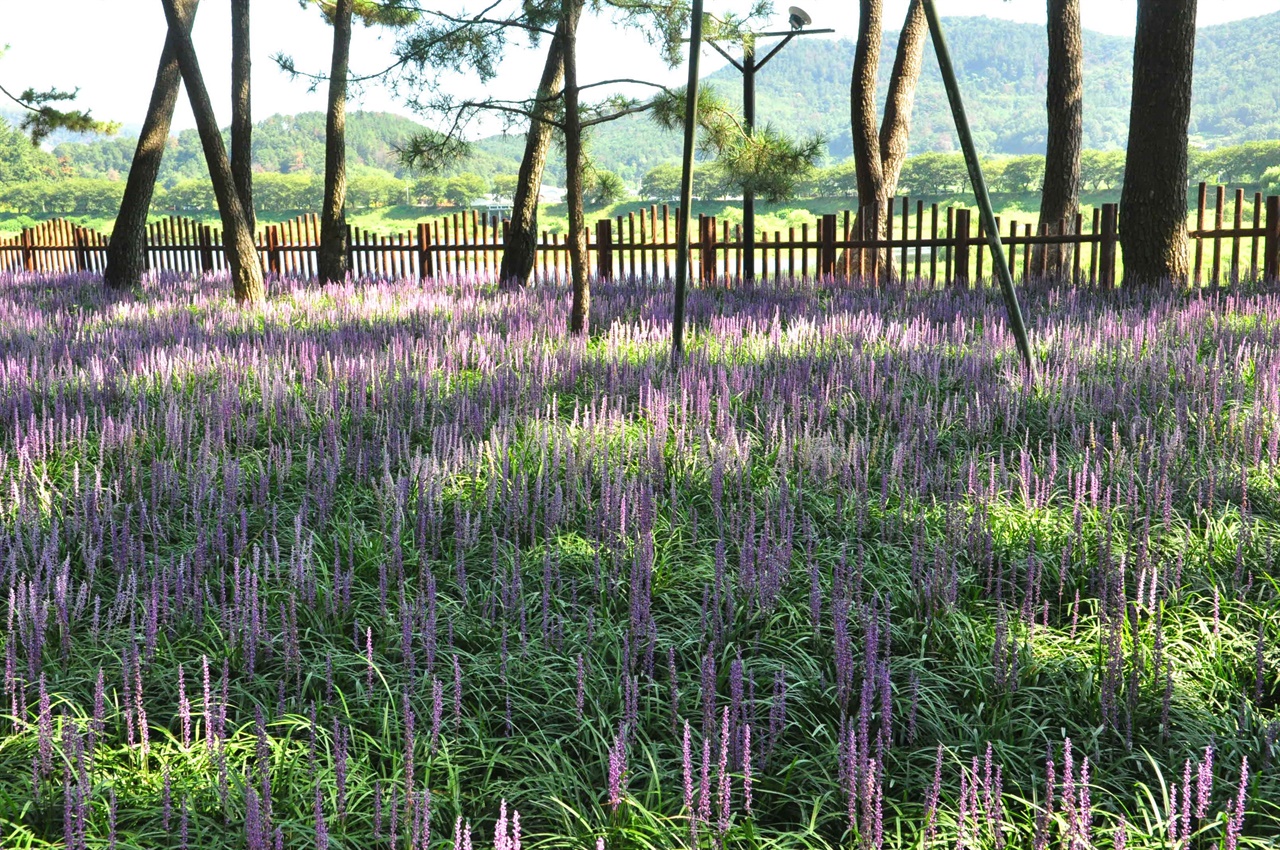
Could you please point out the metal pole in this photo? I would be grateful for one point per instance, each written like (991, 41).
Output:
(979, 186)
(749, 195)
(686, 188)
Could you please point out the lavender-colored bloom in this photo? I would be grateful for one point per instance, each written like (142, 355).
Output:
(722, 772)
(931, 801)
(437, 711)
(322, 829)
(1235, 822)
(1121, 837)
(184, 708)
(704, 787)
(746, 767)
(1204, 782)
(501, 841)
(1186, 797)
(618, 768)
(687, 763)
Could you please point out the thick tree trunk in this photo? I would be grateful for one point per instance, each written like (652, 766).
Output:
(333, 220)
(1060, 199)
(242, 254)
(862, 105)
(573, 172)
(126, 253)
(520, 247)
(895, 129)
(241, 115)
(1153, 225)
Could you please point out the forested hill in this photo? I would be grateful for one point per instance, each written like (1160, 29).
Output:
(805, 89)
(1002, 69)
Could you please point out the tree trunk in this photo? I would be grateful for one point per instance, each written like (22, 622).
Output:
(126, 253)
(332, 261)
(1153, 203)
(241, 115)
(573, 172)
(520, 247)
(895, 129)
(242, 254)
(1060, 199)
(862, 105)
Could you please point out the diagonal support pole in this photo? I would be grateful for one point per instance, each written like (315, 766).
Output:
(979, 187)
(686, 188)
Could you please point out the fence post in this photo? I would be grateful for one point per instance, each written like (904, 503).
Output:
(1271, 244)
(604, 249)
(28, 256)
(708, 235)
(1107, 250)
(424, 258)
(827, 261)
(78, 238)
(273, 249)
(961, 267)
(206, 249)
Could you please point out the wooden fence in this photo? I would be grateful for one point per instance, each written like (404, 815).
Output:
(919, 243)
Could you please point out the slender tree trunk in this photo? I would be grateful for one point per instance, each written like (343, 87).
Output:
(895, 129)
(241, 115)
(126, 253)
(333, 221)
(242, 254)
(1060, 199)
(1153, 225)
(573, 172)
(520, 247)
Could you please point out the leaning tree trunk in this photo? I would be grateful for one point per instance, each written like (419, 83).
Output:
(332, 261)
(241, 115)
(895, 129)
(1060, 199)
(126, 253)
(573, 172)
(1153, 225)
(520, 247)
(242, 254)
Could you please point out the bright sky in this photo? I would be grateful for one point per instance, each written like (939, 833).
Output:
(109, 48)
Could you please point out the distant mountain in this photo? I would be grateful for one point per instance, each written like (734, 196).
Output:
(805, 90)
(1002, 69)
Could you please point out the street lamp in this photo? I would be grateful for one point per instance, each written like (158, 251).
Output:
(799, 19)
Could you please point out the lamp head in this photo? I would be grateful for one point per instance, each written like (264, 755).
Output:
(798, 17)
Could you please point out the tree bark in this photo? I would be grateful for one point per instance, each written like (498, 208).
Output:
(895, 129)
(332, 262)
(1060, 198)
(1153, 225)
(862, 105)
(126, 252)
(573, 172)
(520, 247)
(241, 115)
(242, 254)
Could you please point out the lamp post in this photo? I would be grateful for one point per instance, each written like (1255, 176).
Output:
(748, 66)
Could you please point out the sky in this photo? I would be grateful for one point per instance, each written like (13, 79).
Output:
(109, 48)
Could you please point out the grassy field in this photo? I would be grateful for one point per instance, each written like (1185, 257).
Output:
(384, 565)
